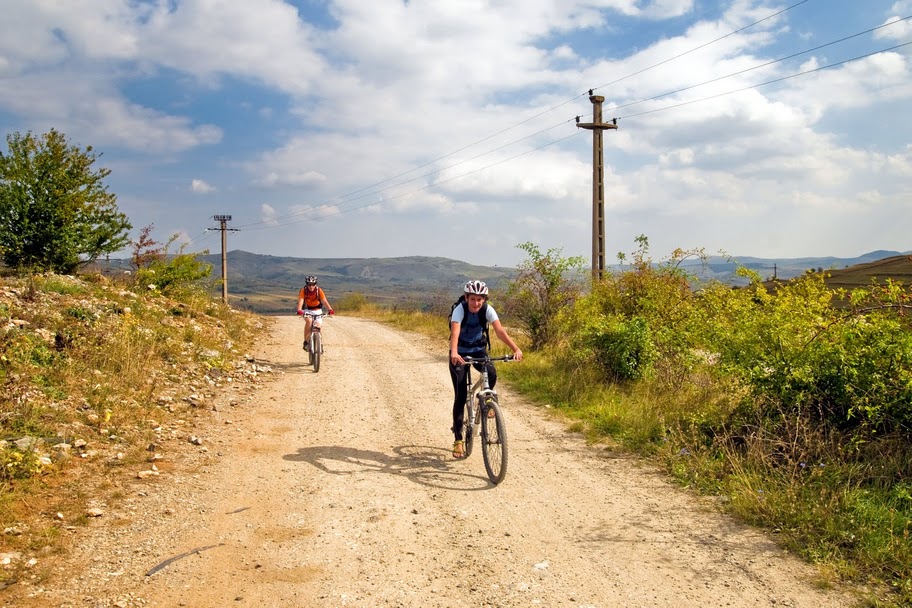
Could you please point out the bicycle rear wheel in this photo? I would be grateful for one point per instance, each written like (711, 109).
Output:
(494, 441)
(317, 350)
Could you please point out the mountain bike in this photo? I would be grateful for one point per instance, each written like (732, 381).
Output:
(314, 346)
(483, 410)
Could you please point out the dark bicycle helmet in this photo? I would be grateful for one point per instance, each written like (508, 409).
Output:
(310, 280)
(476, 287)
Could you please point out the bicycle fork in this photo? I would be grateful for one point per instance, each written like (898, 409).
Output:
(481, 401)
(315, 330)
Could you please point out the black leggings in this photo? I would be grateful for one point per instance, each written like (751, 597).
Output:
(458, 375)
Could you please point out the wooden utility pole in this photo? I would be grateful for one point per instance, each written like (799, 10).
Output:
(598, 185)
(223, 226)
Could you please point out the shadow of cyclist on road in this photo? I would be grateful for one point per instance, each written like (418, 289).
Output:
(421, 464)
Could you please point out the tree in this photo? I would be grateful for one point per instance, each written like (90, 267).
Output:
(55, 211)
(146, 250)
(547, 282)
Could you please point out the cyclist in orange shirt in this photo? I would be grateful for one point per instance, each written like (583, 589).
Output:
(311, 300)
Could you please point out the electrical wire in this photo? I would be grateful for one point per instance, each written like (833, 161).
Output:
(455, 177)
(347, 197)
(313, 210)
(754, 86)
(704, 45)
(762, 65)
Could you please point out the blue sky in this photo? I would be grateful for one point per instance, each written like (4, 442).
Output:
(355, 128)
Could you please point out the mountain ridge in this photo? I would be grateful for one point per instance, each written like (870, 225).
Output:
(268, 283)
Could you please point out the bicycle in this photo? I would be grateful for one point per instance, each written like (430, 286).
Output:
(483, 406)
(314, 345)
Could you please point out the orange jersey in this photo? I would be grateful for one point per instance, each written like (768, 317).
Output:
(312, 299)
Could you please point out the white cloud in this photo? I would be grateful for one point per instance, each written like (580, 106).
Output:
(268, 214)
(899, 29)
(201, 187)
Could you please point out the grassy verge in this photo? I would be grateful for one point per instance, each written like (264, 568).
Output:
(93, 372)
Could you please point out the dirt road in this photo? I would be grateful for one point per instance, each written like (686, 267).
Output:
(338, 489)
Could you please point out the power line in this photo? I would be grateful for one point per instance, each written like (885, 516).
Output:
(326, 205)
(329, 203)
(312, 211)
(795, 75)
(444, 181)
(706, 44)
(762, 65)
(754, 86)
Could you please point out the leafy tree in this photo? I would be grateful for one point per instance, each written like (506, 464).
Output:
(146, 250)
(55, 211)
(547, 283)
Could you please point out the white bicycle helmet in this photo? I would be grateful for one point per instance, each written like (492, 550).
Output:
(477, 288)
(311, 280)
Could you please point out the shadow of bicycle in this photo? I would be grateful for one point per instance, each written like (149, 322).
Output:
(426, 465)
(290, 367)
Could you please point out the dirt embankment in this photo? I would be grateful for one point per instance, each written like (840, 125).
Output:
(338, 489)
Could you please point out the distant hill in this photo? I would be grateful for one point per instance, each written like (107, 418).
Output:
(723, 269)
(270, 284)
(897, 267)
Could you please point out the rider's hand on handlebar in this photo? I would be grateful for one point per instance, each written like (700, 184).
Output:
(300, 312)
(331, 312)
(517, 355)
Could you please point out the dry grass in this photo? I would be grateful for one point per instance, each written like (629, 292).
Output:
(93, 372)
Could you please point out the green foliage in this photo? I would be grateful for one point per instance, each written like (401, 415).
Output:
(546, 283)
(793, 400)
(623, 348)
(159, 272)
(55, 211)
(352, 302)
(635, 320)
(17, 464)
(174, 275)
(795, 350)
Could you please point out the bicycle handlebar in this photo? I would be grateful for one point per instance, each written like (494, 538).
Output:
(469, 360)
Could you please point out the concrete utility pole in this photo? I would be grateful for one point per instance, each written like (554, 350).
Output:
(223, 222)
(598, 185)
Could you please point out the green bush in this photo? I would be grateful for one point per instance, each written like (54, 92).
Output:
(622, 348)
(850, 368)
(352, 302)
(173, 276)
(637, 321)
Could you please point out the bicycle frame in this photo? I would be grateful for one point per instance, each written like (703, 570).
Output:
(484, 416)
(315, 341)
(478, 392)
(481, 390)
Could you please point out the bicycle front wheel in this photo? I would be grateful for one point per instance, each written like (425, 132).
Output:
(468, 431)
(317, 350)
(494, 441)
